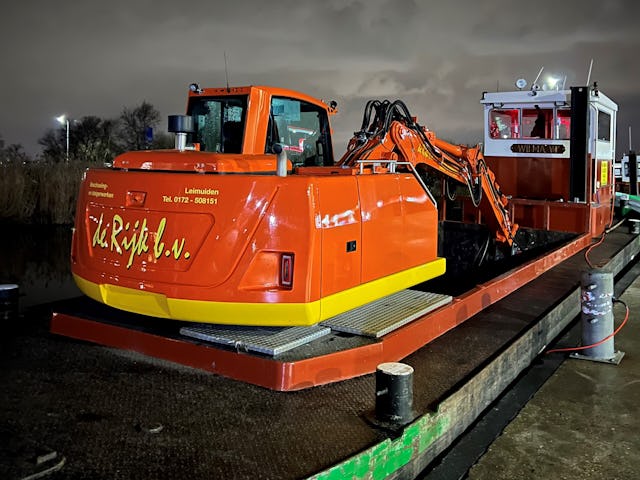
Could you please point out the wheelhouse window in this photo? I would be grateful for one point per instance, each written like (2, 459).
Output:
(530, 123)
(302, 129)
(604, 126)
(563, 124)
(537, 122)
(504, 123)
(218, 123)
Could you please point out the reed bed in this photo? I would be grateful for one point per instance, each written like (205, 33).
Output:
(40, 192)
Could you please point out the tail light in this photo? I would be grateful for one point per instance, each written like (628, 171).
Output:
(286, 270)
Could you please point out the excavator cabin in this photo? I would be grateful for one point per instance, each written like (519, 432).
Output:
(223, 122)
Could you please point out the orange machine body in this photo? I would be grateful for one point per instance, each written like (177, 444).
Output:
(216, 236)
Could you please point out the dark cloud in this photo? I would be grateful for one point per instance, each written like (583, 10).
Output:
(93, 58)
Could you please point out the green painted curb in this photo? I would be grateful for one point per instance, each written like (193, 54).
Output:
(389, 456)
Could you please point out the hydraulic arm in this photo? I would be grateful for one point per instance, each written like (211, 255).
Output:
(390, 133)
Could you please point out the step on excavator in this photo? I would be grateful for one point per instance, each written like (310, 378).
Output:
(251, 221)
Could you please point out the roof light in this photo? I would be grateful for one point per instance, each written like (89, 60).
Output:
(552, 82)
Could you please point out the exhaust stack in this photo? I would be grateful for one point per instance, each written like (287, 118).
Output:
(180, 125)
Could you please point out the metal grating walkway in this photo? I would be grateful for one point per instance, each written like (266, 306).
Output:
(268, 340)
(387, 314)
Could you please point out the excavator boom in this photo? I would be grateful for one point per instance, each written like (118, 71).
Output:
(393, 134)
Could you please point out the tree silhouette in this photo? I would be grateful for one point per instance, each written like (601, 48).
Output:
(95, 139)
(91, 139)
(134, 123)
(12, 153)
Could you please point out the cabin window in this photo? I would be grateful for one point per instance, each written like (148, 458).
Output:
(218, 123)
(302, 129)
(504, 123)
(530, 123)
(563, 124)
(604, 126)
(537, 122)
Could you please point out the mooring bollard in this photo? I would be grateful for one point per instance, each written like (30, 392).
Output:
(596, 305)
(394, 393)
(9, 295)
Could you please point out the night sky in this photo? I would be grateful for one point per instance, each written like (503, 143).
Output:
(95, 57)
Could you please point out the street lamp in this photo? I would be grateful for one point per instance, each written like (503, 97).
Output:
(63, 120)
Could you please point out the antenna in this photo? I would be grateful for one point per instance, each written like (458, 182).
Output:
(564, 81)
(539, 73)
(630, 138)
(226, 71)
(589, 74)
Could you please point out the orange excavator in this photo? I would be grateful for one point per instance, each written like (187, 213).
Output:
(249, 220)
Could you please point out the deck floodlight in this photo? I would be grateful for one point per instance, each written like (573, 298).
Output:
(552, 82)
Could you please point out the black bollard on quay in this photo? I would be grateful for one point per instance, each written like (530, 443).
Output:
(596, 305)
(394, 394)
(9, 295)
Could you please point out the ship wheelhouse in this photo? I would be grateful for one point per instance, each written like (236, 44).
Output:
(553, 152)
